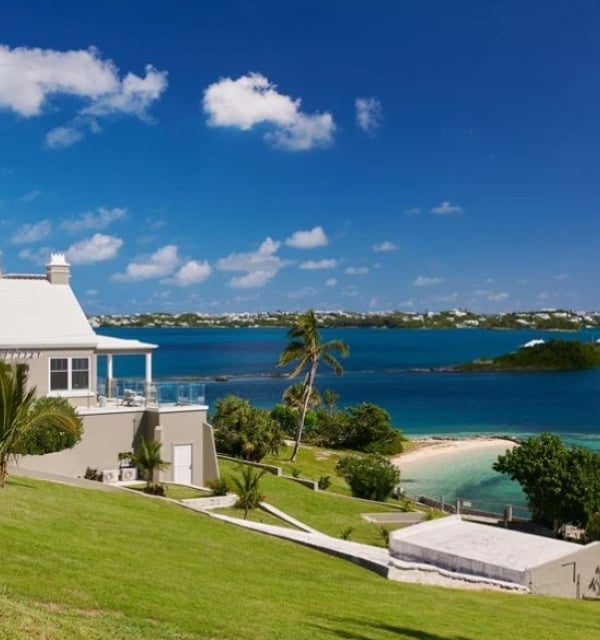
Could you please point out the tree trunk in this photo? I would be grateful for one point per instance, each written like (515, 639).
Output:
(308, 384)
(2, 474)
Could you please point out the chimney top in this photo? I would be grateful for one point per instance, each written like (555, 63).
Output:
(58, 259)
(58, 269)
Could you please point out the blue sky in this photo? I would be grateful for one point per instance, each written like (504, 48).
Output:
(251, 155)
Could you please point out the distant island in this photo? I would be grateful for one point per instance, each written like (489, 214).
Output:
(555, 355)
(548, 319)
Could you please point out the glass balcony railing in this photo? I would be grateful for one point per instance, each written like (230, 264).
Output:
(135, 393)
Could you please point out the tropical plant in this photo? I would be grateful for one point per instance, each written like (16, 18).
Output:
(247, 486)
(293, 397)
(244, 431)
(306, 349)
(372, 477)
(370, 429)
(29, 425)
(147, 458)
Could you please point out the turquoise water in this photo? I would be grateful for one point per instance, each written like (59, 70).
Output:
(392, 368)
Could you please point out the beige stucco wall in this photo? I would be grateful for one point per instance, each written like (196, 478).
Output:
(187, 425)
(39, 374)
(572, 576)
(105, 434)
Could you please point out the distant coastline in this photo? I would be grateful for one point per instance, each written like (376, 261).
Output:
(547, 320)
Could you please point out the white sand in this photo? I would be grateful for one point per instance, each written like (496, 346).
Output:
(439, 450)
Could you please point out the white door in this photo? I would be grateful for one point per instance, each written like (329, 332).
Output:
(182, 463)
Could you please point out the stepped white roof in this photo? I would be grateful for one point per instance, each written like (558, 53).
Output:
(36, 314)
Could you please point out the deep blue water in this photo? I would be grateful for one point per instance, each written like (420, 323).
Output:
(391, 368)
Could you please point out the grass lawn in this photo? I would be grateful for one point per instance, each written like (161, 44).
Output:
(84, 565)
(175, 491)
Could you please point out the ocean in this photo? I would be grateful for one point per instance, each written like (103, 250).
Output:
(395, 369)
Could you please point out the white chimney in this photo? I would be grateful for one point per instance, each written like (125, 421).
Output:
(58, 270)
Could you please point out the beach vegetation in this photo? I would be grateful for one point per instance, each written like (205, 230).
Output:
(561, 483)
(554, 355)
(244, 431)
(305, 350)
(372, 477)
(592, 529)
(30, 425)
(147, 458)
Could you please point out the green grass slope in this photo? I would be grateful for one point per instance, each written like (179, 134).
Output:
(80, 564)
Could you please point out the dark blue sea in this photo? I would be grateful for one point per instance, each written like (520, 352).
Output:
(394, 369)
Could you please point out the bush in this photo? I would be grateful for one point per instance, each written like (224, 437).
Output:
(244, 431)
(219, 487)
(93, 474)
(592, 530)
(155, 490)
(324, 483)
(372, 477)
(370, 429)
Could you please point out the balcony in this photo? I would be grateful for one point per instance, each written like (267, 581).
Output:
(135, 393)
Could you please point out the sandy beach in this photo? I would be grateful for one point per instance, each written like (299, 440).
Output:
(437, 450)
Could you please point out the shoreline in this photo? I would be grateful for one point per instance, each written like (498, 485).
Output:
(441, 448)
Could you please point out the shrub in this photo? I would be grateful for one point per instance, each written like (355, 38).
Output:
(592, 530)
(324, 483)
(93, 474)
(155, 490)
(219, 487)
(346, 532)
(295, 472)
(372, 477)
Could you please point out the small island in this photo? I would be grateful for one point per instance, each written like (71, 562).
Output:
(555, 355)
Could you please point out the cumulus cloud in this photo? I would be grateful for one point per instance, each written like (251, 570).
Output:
(424, 281)
(158, 265)
(259, 266)
(357, 271)
(192, 272)
(307, 239)
(29, 233)
(368, 114)
(446, 208)
(88, 220)
(98, 248)
(29, 77)
(252, 99)
(39, 256)
(319, 264)
(386, 245)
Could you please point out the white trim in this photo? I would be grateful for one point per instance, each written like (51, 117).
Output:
(69, 391)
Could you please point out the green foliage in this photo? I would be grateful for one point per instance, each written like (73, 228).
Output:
(219, 487)
(305, 350)
(244, 431)
(155, 489)
(592, 530)
(372, 477)
(286, 418)
(247, 486)
(346, 532)
(147, 458)
(93, 474)
(295, 472)
(29, 425)
(324, 483)
(562, 483)
(555, 355)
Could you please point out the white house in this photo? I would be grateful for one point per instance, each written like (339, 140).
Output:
(43, 325)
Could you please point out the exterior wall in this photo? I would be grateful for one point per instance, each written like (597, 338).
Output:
(39, 375)
(573, 576)
(187, 426)
(105, 435)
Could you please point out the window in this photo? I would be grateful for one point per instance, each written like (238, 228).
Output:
(69, 374)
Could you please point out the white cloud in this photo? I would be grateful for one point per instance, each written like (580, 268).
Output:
(101, 219)
(91, 293)
(368, 114)
(386, 245)
(308, 239)
(331, 282)
(31, 196)
(356, 271)
(63, 137)
(415, 211)
(302, 293)
(192, 272)
(260, 266)
(424, 281)
(252, 99)
(445, 208)
(29, 77)
(98, 248)
(39, 256)
(28, 233)
(561, 276)
(319, 264)
(160, 264)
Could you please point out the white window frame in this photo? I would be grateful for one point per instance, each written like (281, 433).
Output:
(69, 390)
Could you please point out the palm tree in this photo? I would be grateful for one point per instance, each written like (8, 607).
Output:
(247, 486)
(293, 397)
(306, 349)
(147, 459)
(29, 423)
